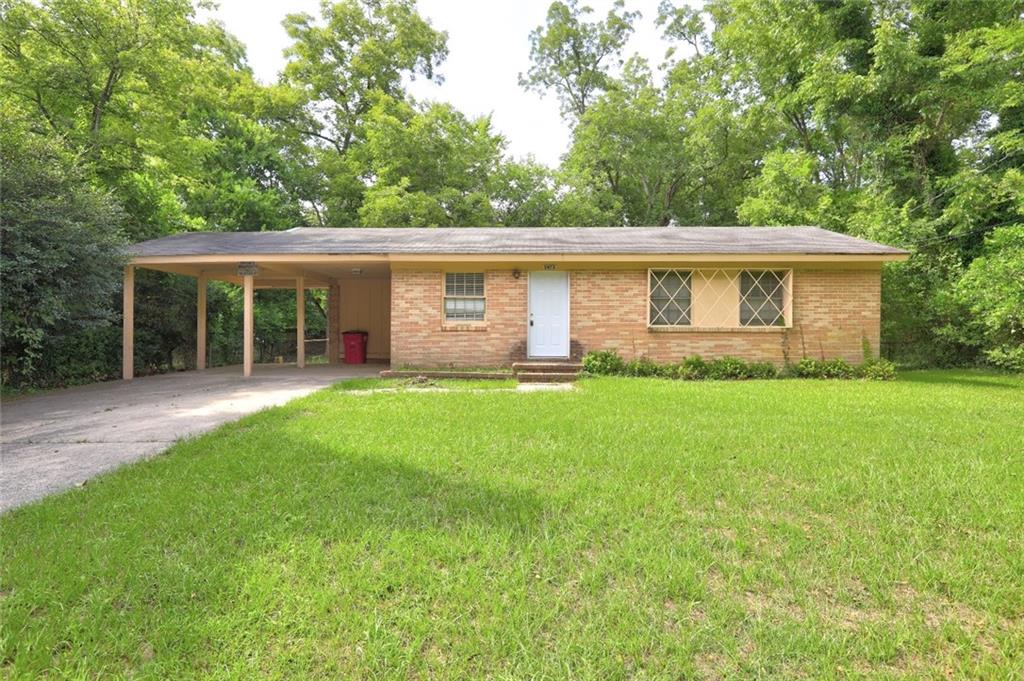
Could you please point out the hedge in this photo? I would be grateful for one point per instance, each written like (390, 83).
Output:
(695, 368)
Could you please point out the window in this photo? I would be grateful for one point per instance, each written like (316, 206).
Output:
(464, 296)
(763, 298)
(670, 297)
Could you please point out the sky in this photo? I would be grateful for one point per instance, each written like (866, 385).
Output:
(488, 47)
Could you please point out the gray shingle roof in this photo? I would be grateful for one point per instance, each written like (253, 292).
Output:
(517, 241)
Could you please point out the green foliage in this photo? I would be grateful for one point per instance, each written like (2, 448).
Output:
(570, 56)
(603, 363)
(726, 368)
(643, 367)
(695, 368)
(991, 295)
(807, 367)
(762, 370)
(874, 369)
(878, 370)
(785, 192)
(62, 250)
(692, 369)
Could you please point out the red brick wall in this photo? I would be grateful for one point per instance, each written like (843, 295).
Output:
(833, 310)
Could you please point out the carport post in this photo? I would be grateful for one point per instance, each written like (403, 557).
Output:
(247, 327)
(333, 323)
(201, 321)
(300, 322)
(128, 325)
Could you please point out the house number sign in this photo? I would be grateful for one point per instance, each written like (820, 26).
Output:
(549, 267)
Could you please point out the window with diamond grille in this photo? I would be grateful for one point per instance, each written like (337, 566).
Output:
(464, 296)
(763, 298)
(671, 297)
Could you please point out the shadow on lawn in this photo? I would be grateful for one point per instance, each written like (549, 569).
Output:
(207, 521)
(971, 379)
(339, 493)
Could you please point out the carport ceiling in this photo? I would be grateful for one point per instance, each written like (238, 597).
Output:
(278, 274)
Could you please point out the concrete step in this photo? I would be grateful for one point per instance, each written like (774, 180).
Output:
(546, 377)
(556, 367)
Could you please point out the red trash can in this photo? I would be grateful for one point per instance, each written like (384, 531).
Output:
(355, 346)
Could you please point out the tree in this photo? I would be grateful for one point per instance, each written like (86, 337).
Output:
(62, 250)
(161, 114)
(992, 293)
(633, 139)
(427, 166)
(359, 51)
(570, 55)
(785, 192)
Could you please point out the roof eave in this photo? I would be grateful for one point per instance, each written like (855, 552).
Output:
(143, 260)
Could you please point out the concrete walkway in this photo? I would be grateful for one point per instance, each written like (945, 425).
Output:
(59, 439)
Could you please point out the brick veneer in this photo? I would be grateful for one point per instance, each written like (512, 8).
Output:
(833, 311)
(420, 337)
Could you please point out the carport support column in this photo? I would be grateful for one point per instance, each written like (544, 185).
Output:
(128, 325)
(300, 322)
(247, 327)
(334, 323)
(201, 322)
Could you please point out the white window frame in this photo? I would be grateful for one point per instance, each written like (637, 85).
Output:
(445, 298)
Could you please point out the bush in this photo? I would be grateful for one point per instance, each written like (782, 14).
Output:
(837, 368)
(603, 363)
(878, 370)
(692, 369)
(762, 370)
(807, 368)
(695, 368)
(727, 368)
(1007, 358)
(642, 366)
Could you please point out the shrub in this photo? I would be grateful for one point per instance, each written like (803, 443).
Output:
(727, 368)
(878, 370)
(837, 368)
(642, 366)
(1007, 358)
(603, 363)
(695, 368)
(692, 369)
(762, 370)
(807, 368)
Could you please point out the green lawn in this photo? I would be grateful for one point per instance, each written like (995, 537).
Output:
(630, 528)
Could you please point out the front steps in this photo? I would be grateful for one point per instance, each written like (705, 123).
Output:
(547, 372)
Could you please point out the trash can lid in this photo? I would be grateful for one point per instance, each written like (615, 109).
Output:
(362, 332)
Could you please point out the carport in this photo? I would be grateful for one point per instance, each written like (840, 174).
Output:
(358, 286)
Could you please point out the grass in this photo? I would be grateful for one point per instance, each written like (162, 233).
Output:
(474, 384)
(632, 528)
(461, 370)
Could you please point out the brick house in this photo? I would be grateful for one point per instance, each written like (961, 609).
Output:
(450, 297)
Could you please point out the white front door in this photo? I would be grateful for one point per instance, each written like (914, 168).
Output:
(549, 315)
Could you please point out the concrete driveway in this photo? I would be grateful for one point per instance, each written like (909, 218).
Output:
(59, 439)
